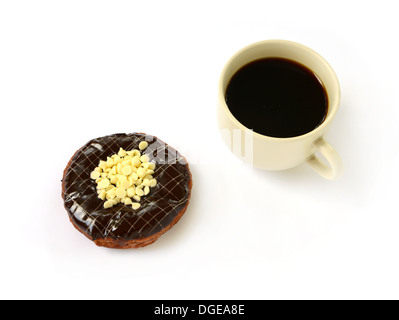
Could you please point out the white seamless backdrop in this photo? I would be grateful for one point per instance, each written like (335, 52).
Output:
(74, 70)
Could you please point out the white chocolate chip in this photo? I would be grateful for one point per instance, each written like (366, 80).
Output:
(144, 158)
(110, 194)
(153, 183)
(131, 192)
(126, 162)
(125, 184)
(127, 170)
(143, 145)
(141, 172)
(136, 153)
(102, 194)
(121, 152)
(102, 164)
(134, 176)
(139, 191)
(110, 162)
(120, 192)
(108, 204)
(145, 165)
(104, 183)
(114, 180)
(135, 205)
(146, 182)
(95, 175)
(135, 162)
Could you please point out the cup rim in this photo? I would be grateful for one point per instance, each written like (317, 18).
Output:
(315, 131)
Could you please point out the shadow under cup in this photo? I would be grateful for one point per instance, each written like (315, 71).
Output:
(263, 151)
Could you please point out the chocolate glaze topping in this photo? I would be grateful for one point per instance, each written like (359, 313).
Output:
(121, 222)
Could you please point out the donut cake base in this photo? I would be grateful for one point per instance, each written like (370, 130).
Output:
(121, 226)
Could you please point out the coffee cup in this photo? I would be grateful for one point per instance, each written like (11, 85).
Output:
(279, 153)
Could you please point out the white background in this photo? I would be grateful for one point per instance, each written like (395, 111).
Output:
(71, 71)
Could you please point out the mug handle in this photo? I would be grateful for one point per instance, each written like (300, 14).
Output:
(332, 171)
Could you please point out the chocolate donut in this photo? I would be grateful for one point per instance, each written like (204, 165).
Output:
(121, 226)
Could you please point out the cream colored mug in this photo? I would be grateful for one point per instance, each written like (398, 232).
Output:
(272, 153)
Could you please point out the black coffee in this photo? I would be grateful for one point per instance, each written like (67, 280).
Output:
(277, 97)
